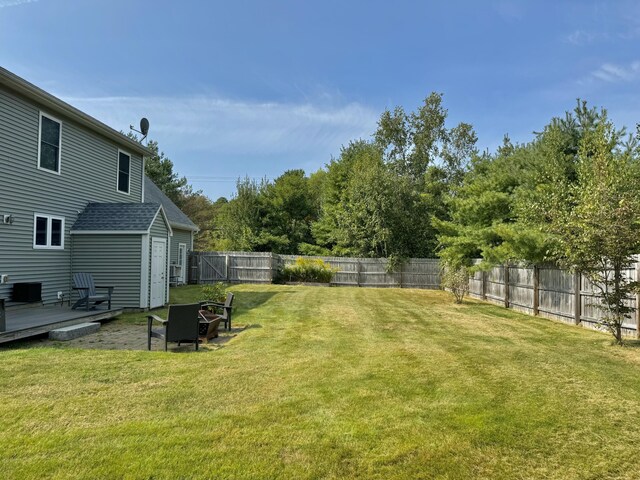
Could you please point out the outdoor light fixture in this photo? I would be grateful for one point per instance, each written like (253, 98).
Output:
(7, 219)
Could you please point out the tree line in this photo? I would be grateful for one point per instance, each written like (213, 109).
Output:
(570, 197)
(194, 203)
(377, 198)
(420, 188)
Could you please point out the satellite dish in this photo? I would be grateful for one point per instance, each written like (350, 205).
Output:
(144, 126)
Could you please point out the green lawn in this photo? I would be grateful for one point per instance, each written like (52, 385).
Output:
(332, 383)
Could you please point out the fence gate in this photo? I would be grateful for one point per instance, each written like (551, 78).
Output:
(211, 268)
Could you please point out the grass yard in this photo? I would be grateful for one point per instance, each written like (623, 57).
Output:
(332, 383)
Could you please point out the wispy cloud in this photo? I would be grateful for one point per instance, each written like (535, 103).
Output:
(613, 73)
(601, 22)
(583, 37)
(14, 3)
(205, 123)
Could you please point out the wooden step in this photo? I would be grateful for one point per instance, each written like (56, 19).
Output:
(74, 331)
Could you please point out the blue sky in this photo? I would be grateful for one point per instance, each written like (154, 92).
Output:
(258, 87)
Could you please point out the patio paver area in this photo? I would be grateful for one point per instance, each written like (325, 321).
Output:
(115, 335)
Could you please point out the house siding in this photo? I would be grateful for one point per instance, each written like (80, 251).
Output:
(88, 166)
(112, 260)
(179, 236)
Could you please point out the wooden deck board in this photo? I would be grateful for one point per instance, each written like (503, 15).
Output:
(28, 322)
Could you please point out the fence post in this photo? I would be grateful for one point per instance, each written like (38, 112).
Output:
(190, 268)
(577, 299)
(506, 285)
(484, 285)
(637, 279)
(199, 268)
(358, 271)
(637, 311)
(637, 314)
(536, 290)
(271, 267)
(226, 268)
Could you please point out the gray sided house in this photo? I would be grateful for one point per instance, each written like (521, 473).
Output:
(72, 200)
(183, 231)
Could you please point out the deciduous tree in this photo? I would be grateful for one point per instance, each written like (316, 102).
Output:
(597, 226)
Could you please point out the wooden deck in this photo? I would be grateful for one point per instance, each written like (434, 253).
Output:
(28, 322)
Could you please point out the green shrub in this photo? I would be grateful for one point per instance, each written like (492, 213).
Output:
(455, 279)
(216, 292)
(308, 270)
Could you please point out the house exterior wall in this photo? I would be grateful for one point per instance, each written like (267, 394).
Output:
(179, 236)
(159, 229)
(112, 260)
(88, 166)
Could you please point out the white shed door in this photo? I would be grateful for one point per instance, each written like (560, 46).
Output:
(158, 271)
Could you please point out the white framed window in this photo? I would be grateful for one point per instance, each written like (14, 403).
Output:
(48, 232)
(124, 172)
(49, 143)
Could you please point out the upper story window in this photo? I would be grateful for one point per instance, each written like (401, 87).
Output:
(49, 143)
(48, 232)
(124, 172)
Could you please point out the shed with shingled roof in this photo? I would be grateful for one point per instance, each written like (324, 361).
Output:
(127, 245)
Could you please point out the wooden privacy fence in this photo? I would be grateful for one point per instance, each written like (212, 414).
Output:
(236, 267)
(547, 291)
(256, 267)
(544, 290)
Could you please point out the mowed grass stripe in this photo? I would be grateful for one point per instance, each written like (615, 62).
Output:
(331, 383)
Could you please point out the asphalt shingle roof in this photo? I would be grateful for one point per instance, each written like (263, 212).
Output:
(176, 217)
(120, 217)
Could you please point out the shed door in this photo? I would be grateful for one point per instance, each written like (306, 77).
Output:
(158, 269)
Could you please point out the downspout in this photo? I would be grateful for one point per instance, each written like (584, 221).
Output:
(142, 180)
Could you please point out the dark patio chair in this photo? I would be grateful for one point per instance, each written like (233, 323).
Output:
(182, 325)
(224, 309)
(89, 298)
